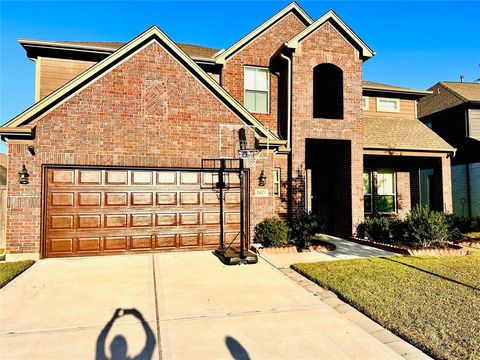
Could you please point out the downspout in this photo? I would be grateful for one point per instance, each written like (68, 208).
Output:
(289, 98)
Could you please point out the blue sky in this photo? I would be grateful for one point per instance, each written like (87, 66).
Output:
(417, 43)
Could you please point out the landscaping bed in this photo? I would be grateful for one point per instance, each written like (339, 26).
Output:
(10, 270)
(432, 302)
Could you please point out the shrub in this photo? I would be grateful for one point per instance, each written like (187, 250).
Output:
(464, 224)
(378, 228)
(425, 226)
(271, 232)
(398, 229)
(305, 225)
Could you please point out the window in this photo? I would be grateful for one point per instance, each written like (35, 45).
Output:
(367, 192)
(388, 105)
(365, 100)
(276, 181)
(327, 92)
(257, 89)
(386, 191)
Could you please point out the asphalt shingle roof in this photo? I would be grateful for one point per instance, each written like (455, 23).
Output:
(378, 86)
(400, 134)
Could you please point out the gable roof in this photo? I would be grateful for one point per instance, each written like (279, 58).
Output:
(292, 7)
(153, 34)
(392, 133)
(374, 86)
(446, 95)
(466, 91)
(366, 52)
(107, 47)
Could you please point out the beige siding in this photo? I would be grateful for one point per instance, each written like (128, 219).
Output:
(407, 109)
(56, 72)
(474, 123)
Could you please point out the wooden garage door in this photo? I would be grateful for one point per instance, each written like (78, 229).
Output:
(99, 211)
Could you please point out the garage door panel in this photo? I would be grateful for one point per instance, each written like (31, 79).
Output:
(88, 244)
(115, 243)
(166, 198)
(116, 221)
(115, 177)
(65, 199)
(116, 199)
(61, 222)
(95, 211)
(89, 177)
(89, 199)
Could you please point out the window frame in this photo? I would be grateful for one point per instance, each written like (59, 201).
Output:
(394, 193)
(367, 106)
(397, 101)
(277, 176)
(245, 89)
(370, 179)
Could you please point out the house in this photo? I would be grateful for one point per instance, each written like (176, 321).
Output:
(115, 141)
(3, 197)
(452, 110)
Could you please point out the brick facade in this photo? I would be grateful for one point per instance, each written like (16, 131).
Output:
(327, 45)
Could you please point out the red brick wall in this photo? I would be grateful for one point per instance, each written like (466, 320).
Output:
(108, 123)
(326, 45)
(258, 53)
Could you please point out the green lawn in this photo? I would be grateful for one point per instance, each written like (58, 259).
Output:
(9, 270)
(433, 302)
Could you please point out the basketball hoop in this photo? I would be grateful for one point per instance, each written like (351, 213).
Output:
(249, 157)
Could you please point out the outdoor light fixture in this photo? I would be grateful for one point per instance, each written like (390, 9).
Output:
(31, 149)
(262, 179)
(23, 175)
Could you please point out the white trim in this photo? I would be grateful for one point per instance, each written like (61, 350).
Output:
(330, 15)
(38, 69)
(91, 74)
(222, 58)
(367, 106)
(256, 90)
(397, 101)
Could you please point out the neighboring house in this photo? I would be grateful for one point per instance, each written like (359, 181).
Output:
(119, 132)
(3, 169)
(453, 112)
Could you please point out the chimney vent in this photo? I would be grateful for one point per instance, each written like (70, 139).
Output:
(462, 78)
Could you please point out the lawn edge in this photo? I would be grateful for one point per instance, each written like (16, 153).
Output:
(9, 280)
(421, 347)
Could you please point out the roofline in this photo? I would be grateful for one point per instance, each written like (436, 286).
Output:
(82, 80)
(451, 150)
(367, 52)
(54, 45)
(443, 84)
(394, 91)
(222, 57)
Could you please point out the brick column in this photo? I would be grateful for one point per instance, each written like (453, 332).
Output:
(446, 183)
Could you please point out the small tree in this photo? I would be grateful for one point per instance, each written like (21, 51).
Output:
(305, 225)
(271, 232)
(426, 226)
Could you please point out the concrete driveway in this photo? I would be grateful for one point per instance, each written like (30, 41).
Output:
(187, 306)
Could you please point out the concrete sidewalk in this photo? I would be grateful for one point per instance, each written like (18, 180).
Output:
(192, 305)
(345, 250)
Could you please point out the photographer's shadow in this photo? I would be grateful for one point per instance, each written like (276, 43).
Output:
(119, 346)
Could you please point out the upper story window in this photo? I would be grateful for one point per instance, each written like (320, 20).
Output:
(327, 92)
(388, 104)
(365, 102)
(257, 90)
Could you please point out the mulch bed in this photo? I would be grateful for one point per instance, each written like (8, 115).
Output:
(321, 246)
(451, 250)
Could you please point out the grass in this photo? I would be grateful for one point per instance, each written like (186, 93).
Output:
(432, 302)
(10, 270)
(474, 235)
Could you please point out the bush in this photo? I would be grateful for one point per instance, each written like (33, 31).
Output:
(378, 228)
(271, 232)
(464, 224)
(398, 229)
(305, 225)
(426, 227)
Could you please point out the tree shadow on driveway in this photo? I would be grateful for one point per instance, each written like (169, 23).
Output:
(119, 345)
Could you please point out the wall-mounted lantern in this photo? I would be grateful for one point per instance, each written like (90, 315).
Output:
(23, 175)
(262, 179)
